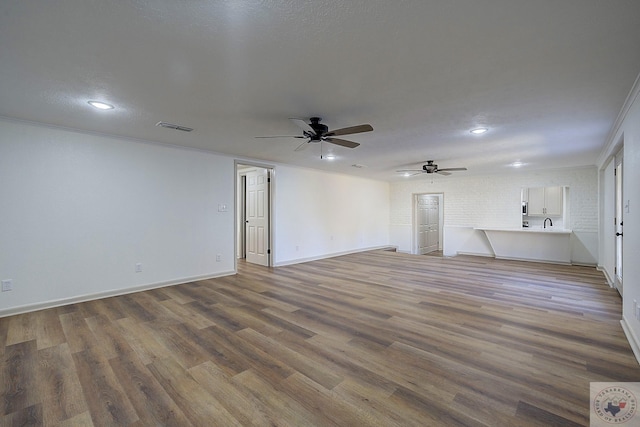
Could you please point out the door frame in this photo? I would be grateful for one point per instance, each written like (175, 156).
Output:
(240, 202)
(619, 219)
(414, 221)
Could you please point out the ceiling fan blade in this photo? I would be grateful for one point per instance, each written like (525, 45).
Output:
(342, 142)
(443, 173)
(350, 130)
(303, 125)
(410, 172)
(452, 169)
(281, 136)
(302, 146)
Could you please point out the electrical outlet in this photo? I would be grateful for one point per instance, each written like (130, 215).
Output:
(7, 285)
(139, 268)
(218, 258)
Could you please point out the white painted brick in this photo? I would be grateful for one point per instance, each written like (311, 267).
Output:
(494, 200)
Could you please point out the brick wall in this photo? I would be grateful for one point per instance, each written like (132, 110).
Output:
(494, 200)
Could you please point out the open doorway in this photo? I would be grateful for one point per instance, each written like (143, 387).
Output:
(254, 213)
(619, 220)
(427, 224)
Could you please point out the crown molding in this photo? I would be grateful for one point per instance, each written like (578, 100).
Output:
(614, 135)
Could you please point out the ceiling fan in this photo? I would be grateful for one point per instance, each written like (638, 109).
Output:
(431, 168)
(318, 132)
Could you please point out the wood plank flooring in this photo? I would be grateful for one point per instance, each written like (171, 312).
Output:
(371, 339)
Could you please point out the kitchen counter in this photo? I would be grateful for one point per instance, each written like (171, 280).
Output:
(531, 244)
(530, 230)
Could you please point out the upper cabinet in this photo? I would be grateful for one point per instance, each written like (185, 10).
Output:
(544, 201)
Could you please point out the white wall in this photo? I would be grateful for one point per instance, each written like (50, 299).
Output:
(80, 210)
(494, 201)
(318, 214)
(628, 130)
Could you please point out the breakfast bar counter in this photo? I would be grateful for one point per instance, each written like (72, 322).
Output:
(531, 244)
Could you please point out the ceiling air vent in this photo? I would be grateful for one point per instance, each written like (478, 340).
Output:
(172, 126)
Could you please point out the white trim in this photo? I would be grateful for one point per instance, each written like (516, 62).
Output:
(633, 340)
(486, 255)
(606, 275)
(544, 261)
(332, 255)
(612, 139)
(584, 264)
(271, 174)
(99, 295)
(415, 245)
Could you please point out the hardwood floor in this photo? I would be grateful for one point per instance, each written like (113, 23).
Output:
(376, 338)
(435, 253)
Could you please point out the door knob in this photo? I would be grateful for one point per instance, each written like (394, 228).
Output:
(618, 234)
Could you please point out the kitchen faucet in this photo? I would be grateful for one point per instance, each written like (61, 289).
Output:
(550, 222)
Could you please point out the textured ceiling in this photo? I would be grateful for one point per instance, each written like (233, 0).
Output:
(547, 77)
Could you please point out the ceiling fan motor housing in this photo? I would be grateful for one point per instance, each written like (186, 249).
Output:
(429, 167)
(318, 127)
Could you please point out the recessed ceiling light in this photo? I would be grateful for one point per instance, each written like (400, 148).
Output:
(517, 164)
(100, 105)
(330, 157)
(478, 131)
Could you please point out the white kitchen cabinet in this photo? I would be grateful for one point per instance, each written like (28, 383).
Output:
(545, 201)
(553, 201)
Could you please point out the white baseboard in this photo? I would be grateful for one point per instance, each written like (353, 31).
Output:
(632, 338)
(484, 254)
(106, 294)
(544, 261)
(331, 255)
(584, 264)
(606, 275)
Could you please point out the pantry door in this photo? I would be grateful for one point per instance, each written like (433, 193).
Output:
(427, 223)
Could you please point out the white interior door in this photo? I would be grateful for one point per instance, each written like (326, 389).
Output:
(257, 217)
(619, 221)
(428, 223)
